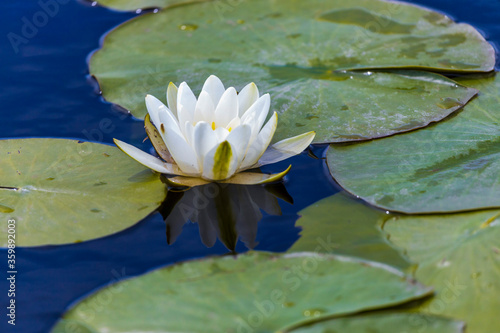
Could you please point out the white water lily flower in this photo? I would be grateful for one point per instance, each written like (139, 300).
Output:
(214, 137)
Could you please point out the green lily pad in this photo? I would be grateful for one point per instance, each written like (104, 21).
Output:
(458, 254)
(65, 191)
(132, 5)
(301, 53)
(340, 225)
(255, 292)
(451, 166)
(383, 322)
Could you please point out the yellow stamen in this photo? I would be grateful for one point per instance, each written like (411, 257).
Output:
(229, 129)
(213, 125)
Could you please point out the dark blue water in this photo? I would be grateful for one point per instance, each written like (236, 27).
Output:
(45, 92)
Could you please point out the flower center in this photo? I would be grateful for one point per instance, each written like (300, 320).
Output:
(214, 127)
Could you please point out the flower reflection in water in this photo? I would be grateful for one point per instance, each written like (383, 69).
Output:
(223, 211)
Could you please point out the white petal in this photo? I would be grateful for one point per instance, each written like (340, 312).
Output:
(189, 133)
(233, 123)
(214, 87)
(259, 145)
(239, 139)
(205, 109)
(148, 160)
(256, 115)
(227, 109)
(184, 117)
(182, 153)
(286, 148)
(187, 100)
(258, 110)
(204, 140)
(247, 96)
(220, 163)
(172, 98)
(221, 134)
(167, 122)
(155, 107)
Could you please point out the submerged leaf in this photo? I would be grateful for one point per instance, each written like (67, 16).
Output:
(65, 191)
(301, 53)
